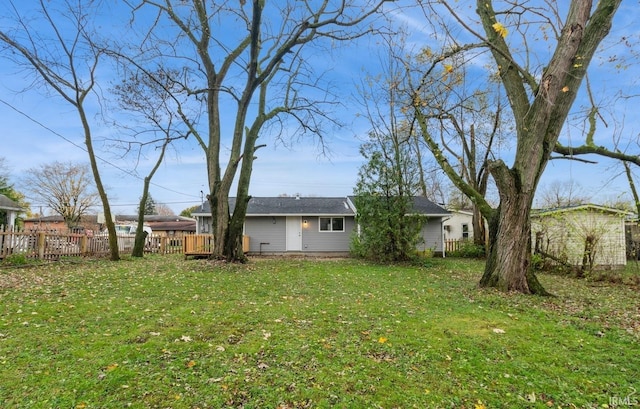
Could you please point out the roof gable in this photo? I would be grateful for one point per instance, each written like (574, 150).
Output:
(578, 208)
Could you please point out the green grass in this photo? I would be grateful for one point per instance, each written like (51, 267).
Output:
(163, 332)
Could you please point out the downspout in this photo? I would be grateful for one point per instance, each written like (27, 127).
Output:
(442, 220)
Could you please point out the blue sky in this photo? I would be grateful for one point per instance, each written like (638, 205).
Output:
(40, 130)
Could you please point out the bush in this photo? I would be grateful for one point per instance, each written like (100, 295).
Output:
(16, 259)
(537, 262)
(469, 249)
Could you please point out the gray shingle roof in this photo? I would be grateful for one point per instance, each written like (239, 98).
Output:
(423, 206)
(308, 206)
(8, 204)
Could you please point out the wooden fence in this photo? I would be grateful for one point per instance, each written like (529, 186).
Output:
(51, 245)
(452, 245)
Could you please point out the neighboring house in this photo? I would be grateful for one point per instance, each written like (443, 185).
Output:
(171, 226)
(11, 209)
(312, 225)
(591, 233)
(88, 222)
(56, 223)
(160, 225)
(459, 225)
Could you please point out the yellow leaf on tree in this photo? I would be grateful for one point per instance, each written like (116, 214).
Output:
(448, 68)
(500, 29)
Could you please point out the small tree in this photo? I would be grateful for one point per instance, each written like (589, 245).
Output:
(164, 210)
(383, 198)
(189, 210)
(66, 188)
(149, 206)
(561, 194)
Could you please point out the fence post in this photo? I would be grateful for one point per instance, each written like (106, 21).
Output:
(163, 245)
(84, 242)
(41, 244)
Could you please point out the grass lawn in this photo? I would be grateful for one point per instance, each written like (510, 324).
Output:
(162, 332)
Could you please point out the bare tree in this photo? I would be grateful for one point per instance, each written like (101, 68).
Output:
(66, 188)
(245, 62)
(164, 210)
(148, 97)
(56, 49)
(541, 88)
(382, 100)
(561, 194)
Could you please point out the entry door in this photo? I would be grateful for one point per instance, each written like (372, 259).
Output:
(294, 233)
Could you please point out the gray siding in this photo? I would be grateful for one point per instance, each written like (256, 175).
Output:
(432, 235)
(268, 230)
(315, 240)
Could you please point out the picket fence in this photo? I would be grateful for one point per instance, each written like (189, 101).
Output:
(51, 245)
(452, 245)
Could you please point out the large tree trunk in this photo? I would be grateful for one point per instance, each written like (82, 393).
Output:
(479, 230)
(509, 252)
(538, 125)
(219, 202)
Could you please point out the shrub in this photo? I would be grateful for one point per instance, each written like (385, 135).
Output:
(469, 249)
(16, 259)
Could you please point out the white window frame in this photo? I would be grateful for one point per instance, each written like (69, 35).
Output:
(331, 219)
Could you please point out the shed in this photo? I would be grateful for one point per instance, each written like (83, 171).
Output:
(581, 234)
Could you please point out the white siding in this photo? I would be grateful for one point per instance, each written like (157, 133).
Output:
(453, 225)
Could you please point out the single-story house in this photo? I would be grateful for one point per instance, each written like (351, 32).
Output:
(459, 225)
(10, 209)
(312, 225)
(570, 233)
(163, 225)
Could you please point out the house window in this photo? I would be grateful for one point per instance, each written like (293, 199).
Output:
(465, 231)
(332, 224)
